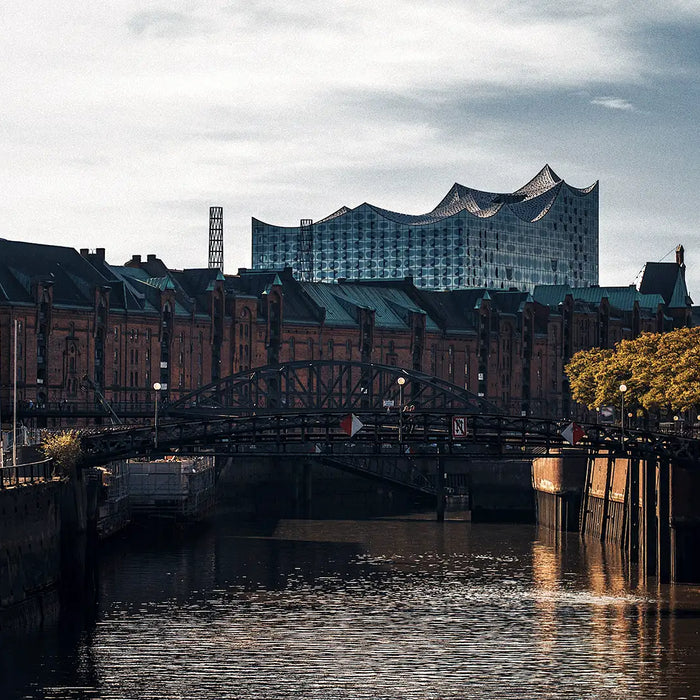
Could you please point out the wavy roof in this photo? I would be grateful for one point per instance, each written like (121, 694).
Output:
(530, 203)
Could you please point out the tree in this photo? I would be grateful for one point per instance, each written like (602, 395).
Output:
(64, 448)
(660, 370)
(584, 371)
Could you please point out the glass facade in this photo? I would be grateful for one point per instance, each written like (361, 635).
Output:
(544, 233)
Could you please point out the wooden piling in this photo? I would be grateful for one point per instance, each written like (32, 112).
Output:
(585, 496)
(606, 497)
(647, 512)
(663, 529)
(632, 509)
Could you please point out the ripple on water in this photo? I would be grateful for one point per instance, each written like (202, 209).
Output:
(429, 621)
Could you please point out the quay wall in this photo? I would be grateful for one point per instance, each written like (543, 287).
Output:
(274, 487)
(43, 550)
(30, 554)
(558, 483)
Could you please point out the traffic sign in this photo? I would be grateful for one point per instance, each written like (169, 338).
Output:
(573, 433)
(459, 426)
(351, 424)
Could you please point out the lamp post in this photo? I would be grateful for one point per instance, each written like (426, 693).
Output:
(623, 389)
(156, 387)
(401, 381)
(14, 401)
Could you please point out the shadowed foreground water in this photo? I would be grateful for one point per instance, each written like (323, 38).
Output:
(366, 610)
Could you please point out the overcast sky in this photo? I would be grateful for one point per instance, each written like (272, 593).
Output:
(122, 122)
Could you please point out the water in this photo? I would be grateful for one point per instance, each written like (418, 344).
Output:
(365, 610)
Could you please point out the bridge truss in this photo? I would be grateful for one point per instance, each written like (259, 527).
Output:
(299, 410)
(327, 385)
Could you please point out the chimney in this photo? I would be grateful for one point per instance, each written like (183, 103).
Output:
(98, 255)
(151, 257)
(680, 255)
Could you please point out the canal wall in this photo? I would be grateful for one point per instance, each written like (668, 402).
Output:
(477, 489)
(605, 494)
(267, 487)
(30, 554)
(558, 486)
(648, 508)
(43, 550)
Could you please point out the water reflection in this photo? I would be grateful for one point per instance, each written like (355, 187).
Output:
(372, 609)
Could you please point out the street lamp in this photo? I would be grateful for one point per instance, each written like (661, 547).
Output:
(623, 389)
(401, 381)
(157, 387)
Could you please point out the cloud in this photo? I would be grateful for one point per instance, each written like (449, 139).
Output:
(163, 23)
(614, 103)
(117, 111)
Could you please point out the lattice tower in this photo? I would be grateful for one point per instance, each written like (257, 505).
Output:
(216, 238)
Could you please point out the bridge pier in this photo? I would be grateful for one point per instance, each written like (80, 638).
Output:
(632, 510)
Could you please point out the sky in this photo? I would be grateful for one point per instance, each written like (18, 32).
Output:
(123, 122)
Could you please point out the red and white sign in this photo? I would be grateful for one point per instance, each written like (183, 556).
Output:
(459, 426)
(573, 433)
(351, 424)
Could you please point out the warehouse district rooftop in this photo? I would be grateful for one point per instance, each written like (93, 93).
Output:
(81, 325)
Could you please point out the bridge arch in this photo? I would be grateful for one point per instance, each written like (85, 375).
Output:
(327, 384)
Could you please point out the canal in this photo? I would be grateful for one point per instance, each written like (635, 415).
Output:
(365, 610)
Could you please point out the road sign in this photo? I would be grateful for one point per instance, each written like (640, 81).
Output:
(351, 424)
(573, 433)
(459, 426)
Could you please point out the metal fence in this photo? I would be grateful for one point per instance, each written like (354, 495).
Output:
(20, 474)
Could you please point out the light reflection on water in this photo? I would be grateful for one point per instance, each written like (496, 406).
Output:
(375, 609)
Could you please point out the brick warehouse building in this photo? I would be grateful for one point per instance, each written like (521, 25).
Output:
(85, 328)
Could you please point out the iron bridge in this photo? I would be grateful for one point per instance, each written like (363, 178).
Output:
(302, 410)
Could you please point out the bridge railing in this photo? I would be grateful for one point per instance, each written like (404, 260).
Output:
(21, 474)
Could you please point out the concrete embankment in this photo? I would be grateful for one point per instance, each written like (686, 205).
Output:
(478, 489)
(43, 529)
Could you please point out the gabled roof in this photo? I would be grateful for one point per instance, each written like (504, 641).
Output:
(621, 298)
(668, 280)
(298, 307)
(454, 310)
(511, 302)
(73, 278)
(149, 288)
(390, 303)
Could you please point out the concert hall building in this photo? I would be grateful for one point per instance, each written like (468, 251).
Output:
(544, 233)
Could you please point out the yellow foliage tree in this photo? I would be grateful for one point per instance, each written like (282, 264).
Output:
(64, 448)
(682, 379)
(660, 370)
(584, 370)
